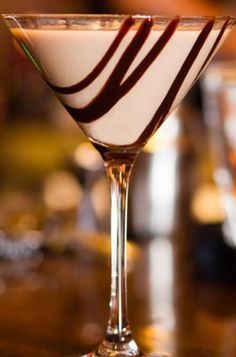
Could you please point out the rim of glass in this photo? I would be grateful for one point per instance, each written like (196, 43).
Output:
(114, 16)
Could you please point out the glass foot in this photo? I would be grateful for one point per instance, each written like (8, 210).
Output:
(112, 349)
(107, 349)
(117, 353)
(120, 354)
(114, 354)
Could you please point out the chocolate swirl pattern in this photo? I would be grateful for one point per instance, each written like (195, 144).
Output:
(125, 27)
(124, 76)
(113, 90)
(214, 47)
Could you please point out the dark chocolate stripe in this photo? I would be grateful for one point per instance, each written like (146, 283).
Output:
(113, 90)
(129, 55)
(150, 57)
(165, 106)
(217, 41)
(125, 27)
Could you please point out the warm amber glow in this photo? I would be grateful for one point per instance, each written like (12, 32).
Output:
(206, 204)
(100, 198)
(100, 243)
(158, 339)
(87, 157)
(165, 137)
(61, 191)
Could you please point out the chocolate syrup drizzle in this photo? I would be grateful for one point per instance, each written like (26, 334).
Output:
(125, 27)
(165, 106)
(211, 53)
(114, 89)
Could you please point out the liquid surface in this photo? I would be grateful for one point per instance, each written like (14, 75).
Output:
(119, 85)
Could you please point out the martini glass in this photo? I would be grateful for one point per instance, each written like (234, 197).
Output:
(119, 77)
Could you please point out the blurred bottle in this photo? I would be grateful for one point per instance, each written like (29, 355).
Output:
(213, 258)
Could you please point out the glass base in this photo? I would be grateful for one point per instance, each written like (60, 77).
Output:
(117, 354)
(120, 354)
(110, 349)
(113, 349)
(114, 354)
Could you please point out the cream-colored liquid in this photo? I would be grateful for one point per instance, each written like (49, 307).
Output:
(68, 56)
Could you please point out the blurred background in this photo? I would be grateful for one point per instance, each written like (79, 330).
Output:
(54, 216)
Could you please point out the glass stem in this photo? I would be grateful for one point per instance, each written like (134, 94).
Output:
(118, 172)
